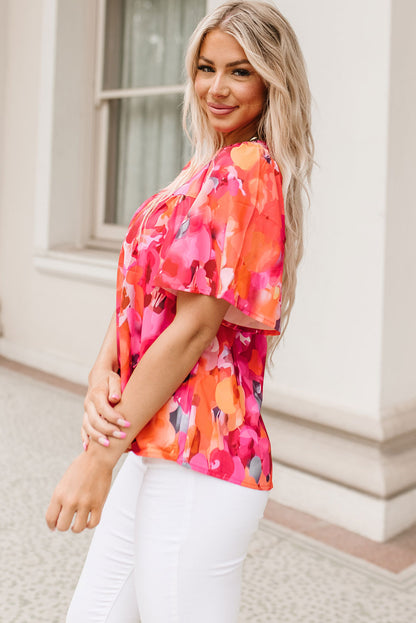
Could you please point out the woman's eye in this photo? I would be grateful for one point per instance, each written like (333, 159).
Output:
(241, 72)
(205, 68)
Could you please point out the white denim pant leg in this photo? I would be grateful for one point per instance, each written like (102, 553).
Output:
(105, 590)
(191, 533)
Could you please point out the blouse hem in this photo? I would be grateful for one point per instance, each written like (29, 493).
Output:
(161, 455)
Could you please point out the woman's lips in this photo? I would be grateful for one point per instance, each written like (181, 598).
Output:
(219, 109)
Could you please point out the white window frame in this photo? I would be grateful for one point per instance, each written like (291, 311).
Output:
(71, 158)
(106, 233)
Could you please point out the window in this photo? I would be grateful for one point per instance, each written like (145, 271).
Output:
(141, 146)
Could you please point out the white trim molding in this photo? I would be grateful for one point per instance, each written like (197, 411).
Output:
(45, 124)
(378, 426)
(65, 152)
(363, 478)
(373, 518)
(46, 361)
(86, 265)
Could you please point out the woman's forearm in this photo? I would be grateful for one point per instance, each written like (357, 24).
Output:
(163, 368)
(107, 357)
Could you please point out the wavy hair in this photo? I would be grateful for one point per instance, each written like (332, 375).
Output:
(272, 48)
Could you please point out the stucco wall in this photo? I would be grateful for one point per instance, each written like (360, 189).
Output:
(332, 352)
(55, 318)
(399, 332)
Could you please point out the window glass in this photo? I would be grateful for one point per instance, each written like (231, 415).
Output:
(144, 47)
(147, 150)
(146, 41)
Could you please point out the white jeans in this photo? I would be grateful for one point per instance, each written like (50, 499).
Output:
(169, 548)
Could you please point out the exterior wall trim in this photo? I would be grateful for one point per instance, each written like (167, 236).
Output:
(382, 469)
(45, 361)
(90, 266)
(369, 516)
(388, 423)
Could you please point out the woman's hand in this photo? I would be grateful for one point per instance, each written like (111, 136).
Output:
(101, 419)
(81, 493)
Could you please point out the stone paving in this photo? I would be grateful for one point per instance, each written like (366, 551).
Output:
(288, 577)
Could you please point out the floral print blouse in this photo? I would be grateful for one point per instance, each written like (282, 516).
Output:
(221, 234)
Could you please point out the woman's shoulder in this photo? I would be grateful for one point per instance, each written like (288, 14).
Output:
(246, 156)
(242, 174)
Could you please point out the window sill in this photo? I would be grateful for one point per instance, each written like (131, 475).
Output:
(88, 265)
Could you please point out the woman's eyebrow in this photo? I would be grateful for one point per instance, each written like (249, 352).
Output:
(243, 61)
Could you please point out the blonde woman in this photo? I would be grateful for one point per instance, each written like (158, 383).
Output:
(206, 277)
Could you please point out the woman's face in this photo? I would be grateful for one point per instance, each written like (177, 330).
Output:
(230, 92)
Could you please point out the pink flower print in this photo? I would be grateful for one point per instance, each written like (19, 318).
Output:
(221, 464)
(246, 449)
(199, 462)
(233, 439)
(239, 473)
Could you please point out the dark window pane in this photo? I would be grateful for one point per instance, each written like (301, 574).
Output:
(146, 41)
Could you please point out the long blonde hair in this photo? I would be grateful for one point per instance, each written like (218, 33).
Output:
(273, 50)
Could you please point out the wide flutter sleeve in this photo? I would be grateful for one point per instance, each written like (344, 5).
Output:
(228, 241)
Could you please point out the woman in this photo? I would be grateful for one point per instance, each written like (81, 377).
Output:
(178, 381)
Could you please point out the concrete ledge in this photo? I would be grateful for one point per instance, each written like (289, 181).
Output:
(382, 469)
(51, 363)
(374, 518)
(91, 266)
(387, 423)
(363, 485)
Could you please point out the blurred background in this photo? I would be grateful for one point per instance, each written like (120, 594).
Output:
(90, 96)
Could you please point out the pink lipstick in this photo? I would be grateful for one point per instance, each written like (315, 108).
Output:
(220, 109)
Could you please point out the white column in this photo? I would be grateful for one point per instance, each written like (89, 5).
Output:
(341, 403)
(3, 62)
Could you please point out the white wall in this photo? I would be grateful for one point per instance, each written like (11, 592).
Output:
(3, 64)
(399, 329)
(332, 353)
(344, 379)
(57, 321)
(18, 143)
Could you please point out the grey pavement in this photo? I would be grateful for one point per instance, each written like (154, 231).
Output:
(288, 577)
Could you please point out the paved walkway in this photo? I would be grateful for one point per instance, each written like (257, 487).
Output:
(288, 577)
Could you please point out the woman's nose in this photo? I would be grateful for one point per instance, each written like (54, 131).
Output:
(219, 87)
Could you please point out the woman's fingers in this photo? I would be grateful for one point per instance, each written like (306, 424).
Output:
(98, 400)
(93, 420)
(65, 517)
(99, 430)
(81, 520)
(94, 518)
(85, 438)
(101, 420)
(114, 388)
(98, 433)
(61, 516)
(52, 513)
(82, 490)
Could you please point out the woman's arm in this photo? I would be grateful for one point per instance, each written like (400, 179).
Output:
(156, 377)
(107, 357)
(104, 390)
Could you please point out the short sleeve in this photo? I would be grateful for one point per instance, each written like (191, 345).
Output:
(228, 241)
